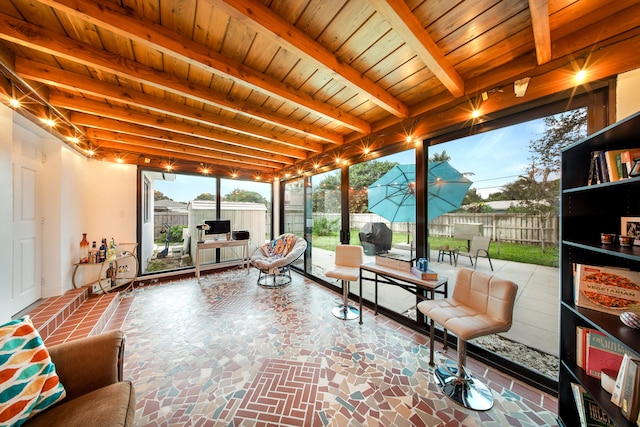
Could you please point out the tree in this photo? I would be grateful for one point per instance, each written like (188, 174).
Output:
(472, 196)
(442, 157)
(206, 196)
(239, 195)
(361, 176)
(559, 131)
(159, 195)
(539, 184)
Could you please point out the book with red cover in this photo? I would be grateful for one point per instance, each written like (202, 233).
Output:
(602, 352)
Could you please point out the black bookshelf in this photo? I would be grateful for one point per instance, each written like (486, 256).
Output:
(587, 211)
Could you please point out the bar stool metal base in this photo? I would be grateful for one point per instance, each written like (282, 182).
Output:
(465, 390)
(345, 312)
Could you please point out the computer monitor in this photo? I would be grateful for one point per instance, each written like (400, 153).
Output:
(218, 226)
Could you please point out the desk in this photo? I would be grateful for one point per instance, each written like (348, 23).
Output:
(422, 289)
(214, 244)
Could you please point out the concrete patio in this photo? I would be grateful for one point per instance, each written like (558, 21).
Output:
(537, 310)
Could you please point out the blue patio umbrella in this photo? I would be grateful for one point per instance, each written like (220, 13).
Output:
(446, 187)
(393, 195)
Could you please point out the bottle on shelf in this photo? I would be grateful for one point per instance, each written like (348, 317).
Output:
(84, 249)
(111, 275)
(93, 257)
(103, 251)
(112, 249)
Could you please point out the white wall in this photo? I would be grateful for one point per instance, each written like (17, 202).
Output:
(111, 202)
(78, 195)
(627, 94)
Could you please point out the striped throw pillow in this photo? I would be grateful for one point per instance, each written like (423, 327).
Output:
(28, 380)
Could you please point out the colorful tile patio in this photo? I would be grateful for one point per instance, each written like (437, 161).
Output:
(226, 352)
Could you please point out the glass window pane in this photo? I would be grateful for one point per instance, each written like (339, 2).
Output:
(382, 220)
(179, 202)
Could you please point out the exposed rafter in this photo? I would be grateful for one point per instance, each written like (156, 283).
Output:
(541, 32)
(268, 87)
(405, 23)
(271, 24)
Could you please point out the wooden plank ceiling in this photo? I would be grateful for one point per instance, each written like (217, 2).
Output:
(251, 87)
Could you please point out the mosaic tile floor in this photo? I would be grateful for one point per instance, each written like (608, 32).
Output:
(226, 352)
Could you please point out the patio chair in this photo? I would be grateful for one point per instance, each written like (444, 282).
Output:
(479, 248)
(274, 259)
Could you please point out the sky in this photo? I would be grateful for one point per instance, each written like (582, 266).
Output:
(491, 159)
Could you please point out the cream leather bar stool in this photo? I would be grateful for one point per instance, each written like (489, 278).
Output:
(481, 305)
(347, 269)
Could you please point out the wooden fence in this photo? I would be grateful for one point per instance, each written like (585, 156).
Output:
(515, 228)
(171, 218)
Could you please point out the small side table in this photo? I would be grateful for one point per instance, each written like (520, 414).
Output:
(452, 253)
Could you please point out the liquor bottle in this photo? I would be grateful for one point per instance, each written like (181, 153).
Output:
(112, 249)
(111, 275)
(93, 258)
(103, 250)
(84, 249)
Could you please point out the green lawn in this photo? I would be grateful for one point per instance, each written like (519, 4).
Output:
(530, 254)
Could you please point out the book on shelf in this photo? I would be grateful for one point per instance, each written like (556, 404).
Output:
(607, 289)
(589, 412)
(604, 171)
(581, 345)
(596, 351)
(630, 393)
(611, 165)
(616, 395)
(628, 158)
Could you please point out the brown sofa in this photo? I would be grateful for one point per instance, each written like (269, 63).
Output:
(90, 369)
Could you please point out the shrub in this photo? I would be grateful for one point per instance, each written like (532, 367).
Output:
(324, 227)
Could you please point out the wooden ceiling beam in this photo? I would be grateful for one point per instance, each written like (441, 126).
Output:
(539, 10)
(257, 15)
(34, 37)
(404, 22)
(175, 150)
(122, 22)
(157, 156)
(103, 123)
(63, 79)
(75, 103)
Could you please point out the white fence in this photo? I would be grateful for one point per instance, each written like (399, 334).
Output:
(516, 228)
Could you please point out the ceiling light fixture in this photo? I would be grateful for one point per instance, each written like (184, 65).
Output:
(73, 139)
(475, 113)
(581, 76)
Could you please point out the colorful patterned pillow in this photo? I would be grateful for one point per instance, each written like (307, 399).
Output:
(280, 246)
(28, 380)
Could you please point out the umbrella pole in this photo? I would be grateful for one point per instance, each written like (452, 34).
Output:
(408, 232)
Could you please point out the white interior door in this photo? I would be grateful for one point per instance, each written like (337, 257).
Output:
(27, 227)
